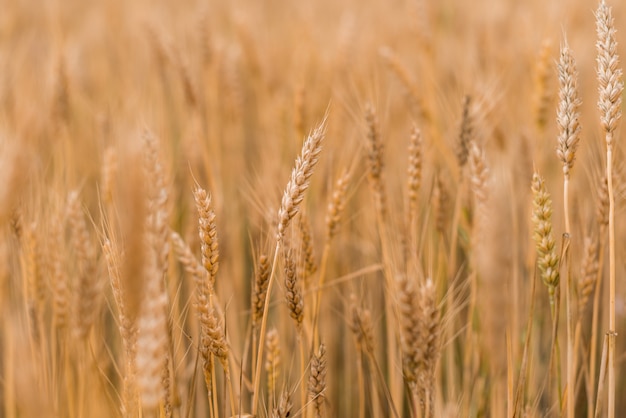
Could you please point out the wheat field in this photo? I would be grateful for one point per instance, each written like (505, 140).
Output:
(312, 209)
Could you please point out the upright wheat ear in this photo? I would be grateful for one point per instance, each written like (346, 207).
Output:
(414, 171)
(567, 114)
(336, 205)
(299, 181)
(317, 381)
(547, 257)
(208, 235)
(466, 134)
(375, 162)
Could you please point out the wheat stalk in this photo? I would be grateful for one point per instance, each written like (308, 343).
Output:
(569, 137)
(609, 103)
(292, 197)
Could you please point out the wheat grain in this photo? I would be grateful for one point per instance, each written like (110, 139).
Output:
(208, 234)
(375, 163)
(547, 257)
(299, 180)
(317, 381)
(336, 205)
(567, 114)
(466, 134)
(261, 280)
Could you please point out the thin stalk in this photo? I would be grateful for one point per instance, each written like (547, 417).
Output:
(318, 295)
(360, 381)
(303, 388)
(601, 378)
(395, 380)
(509, 378)
(612, 333)
(231, 395)
(594, 323)
(555, 354)
(571, 355)
(214, 388)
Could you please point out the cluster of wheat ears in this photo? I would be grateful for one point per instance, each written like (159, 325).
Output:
(160, 256)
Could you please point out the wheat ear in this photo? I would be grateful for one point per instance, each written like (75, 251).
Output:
(272, 365)
(317, 381)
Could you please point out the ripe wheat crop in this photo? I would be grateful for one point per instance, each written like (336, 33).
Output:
(312, 209)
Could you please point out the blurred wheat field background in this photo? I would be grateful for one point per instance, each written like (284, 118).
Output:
(314, 209)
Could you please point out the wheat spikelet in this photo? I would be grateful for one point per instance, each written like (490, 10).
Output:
(59, 280)
(466, 134)
(317, 381)
(479, 183)
(157, 227)
(152, 339)
(567, 113)
(208, 234)
(85, 255)
(127, 328)
(272, 362)
(361, 326)
(166, 383)
(441, 201)
(283, 410)
(309, 265)
(293, 293)
(431, 342)
(375, 162)
(261, 280)
(411, 328)
(299, 180)
(336, 205)
(35, 286)
(609, 75)
(588, 273)
(547, 257)
(212, 337)
(414, 171)
(190, 262)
